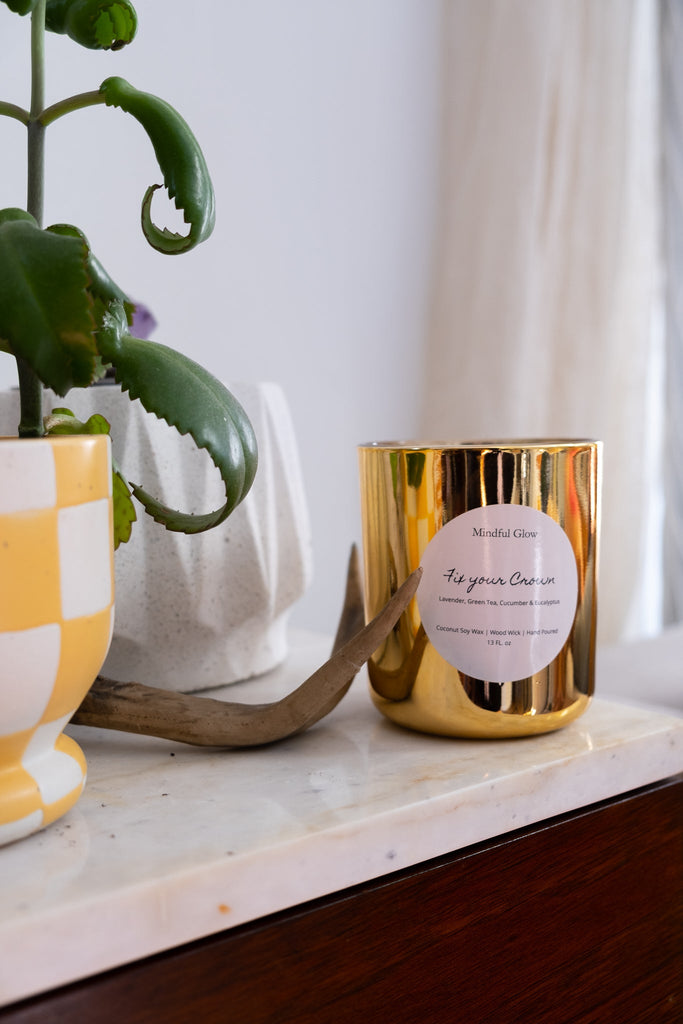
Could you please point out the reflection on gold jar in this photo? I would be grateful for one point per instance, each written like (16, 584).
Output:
(446, 674)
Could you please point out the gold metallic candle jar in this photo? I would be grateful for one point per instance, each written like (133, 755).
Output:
(500, 638)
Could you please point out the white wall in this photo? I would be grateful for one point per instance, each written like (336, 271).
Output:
(320, 123)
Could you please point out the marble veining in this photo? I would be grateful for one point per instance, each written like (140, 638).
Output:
(171, 843)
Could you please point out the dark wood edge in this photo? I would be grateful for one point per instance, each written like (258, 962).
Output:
(575, 920)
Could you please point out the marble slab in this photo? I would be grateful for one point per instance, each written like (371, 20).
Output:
(171, 843)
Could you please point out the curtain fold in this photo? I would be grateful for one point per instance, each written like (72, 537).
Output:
(548, 279)
(672, 204)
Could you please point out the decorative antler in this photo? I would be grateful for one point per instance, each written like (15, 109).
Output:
(205, 721)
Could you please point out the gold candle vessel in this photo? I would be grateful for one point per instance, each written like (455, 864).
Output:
(500, 638)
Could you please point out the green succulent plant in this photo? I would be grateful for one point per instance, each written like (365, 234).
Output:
(62, 316)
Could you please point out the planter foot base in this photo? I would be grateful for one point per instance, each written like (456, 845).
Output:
(37, 791)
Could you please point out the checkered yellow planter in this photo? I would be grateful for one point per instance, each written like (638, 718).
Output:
(56, 616)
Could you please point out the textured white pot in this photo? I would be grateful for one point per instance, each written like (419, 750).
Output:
(197, 612)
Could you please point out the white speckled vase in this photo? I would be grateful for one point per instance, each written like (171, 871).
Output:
(56, 611)
(197, 612)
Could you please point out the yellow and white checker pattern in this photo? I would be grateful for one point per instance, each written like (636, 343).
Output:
(56, 617)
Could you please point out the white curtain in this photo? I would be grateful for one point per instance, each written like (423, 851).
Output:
(672, 166)
(548, 278)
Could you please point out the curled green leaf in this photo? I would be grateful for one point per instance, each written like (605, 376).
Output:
(21, 6)
(16, 213)
(45, 308)
(187, 397)
(63, 421)
(182, 163)
(124, 509)
(95, 24)
(103, 290)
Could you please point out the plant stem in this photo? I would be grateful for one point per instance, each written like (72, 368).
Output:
(31, 401)
(30, 388)
(12, 110)
(36, 130)
(78, 102)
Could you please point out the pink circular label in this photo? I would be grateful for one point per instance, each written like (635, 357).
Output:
(498, 593)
